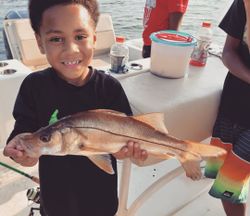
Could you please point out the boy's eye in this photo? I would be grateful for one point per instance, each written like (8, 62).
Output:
(56, 39)
(80, 37)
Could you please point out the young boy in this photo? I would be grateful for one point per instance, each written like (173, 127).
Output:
(232, 127)
(65, 32)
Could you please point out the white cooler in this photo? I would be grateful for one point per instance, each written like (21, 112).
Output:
(170, 53)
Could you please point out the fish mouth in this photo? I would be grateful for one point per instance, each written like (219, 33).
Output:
(29, 149)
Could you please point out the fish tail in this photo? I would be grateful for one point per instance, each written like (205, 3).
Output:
(192, 155)
(204, 151)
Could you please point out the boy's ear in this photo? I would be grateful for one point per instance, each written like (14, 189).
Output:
(39, 43)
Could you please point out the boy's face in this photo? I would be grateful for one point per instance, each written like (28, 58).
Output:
(67, 37)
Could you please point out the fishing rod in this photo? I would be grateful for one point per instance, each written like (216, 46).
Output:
(33, 178)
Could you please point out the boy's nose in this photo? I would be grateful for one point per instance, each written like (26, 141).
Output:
(70, 46)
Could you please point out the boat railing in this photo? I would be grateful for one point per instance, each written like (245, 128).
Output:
(140, 200)
(138, 203)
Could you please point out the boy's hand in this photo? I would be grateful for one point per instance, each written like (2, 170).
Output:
(14, 150)
(133, 151)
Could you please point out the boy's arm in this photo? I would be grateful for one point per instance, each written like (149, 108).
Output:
(25, 121)
(175, 20)
(247, 8)
(176, 10)
(232, 61)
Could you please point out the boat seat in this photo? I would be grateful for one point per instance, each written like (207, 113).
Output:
(23, 46)
(105, 38)
(22, 43)
(105, 35)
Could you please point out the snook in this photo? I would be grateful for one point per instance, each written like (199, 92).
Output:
(97, 133)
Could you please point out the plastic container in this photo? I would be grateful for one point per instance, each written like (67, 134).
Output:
(204, 39)
(170, 53)
(119, 55)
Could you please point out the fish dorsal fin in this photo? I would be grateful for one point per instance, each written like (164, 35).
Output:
(103, 162)
(155, 120)
(109, 111)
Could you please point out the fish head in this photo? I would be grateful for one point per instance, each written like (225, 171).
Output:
(45, 141)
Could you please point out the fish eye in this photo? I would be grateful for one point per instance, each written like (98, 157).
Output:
(45, 138)
(81, 146)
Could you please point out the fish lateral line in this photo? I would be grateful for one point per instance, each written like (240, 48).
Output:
(139, 139)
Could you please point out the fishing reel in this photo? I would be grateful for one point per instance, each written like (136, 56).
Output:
(33, 194)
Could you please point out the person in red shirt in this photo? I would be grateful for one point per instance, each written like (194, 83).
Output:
(161, 15)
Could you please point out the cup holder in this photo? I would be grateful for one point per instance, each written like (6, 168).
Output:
(7, 72)
(3, 64)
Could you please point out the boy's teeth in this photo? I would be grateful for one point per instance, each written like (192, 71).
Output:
(71, 62)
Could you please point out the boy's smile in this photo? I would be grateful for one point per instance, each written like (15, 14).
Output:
(67, 38)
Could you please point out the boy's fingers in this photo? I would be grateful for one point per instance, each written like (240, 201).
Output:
(139, 153)
(11, 152)
(130, 148)
(124, 152)
(144, 155)
(28, 161)
(19, 147)
(136, 151)
(121, 154)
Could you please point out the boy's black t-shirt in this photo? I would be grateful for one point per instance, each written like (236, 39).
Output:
(70, 185)
(235, 100)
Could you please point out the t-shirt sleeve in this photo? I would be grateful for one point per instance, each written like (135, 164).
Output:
(23, 113)
(177, 6)
(117, 99)
(234, 21)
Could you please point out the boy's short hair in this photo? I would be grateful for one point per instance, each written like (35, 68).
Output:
(37, 8)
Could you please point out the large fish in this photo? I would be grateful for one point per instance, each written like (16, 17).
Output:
(98, 133)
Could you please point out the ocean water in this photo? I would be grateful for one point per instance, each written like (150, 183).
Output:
(128, 14)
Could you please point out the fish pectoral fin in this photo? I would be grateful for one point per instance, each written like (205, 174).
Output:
(109, 111)
(155, 120)
(103, 162)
